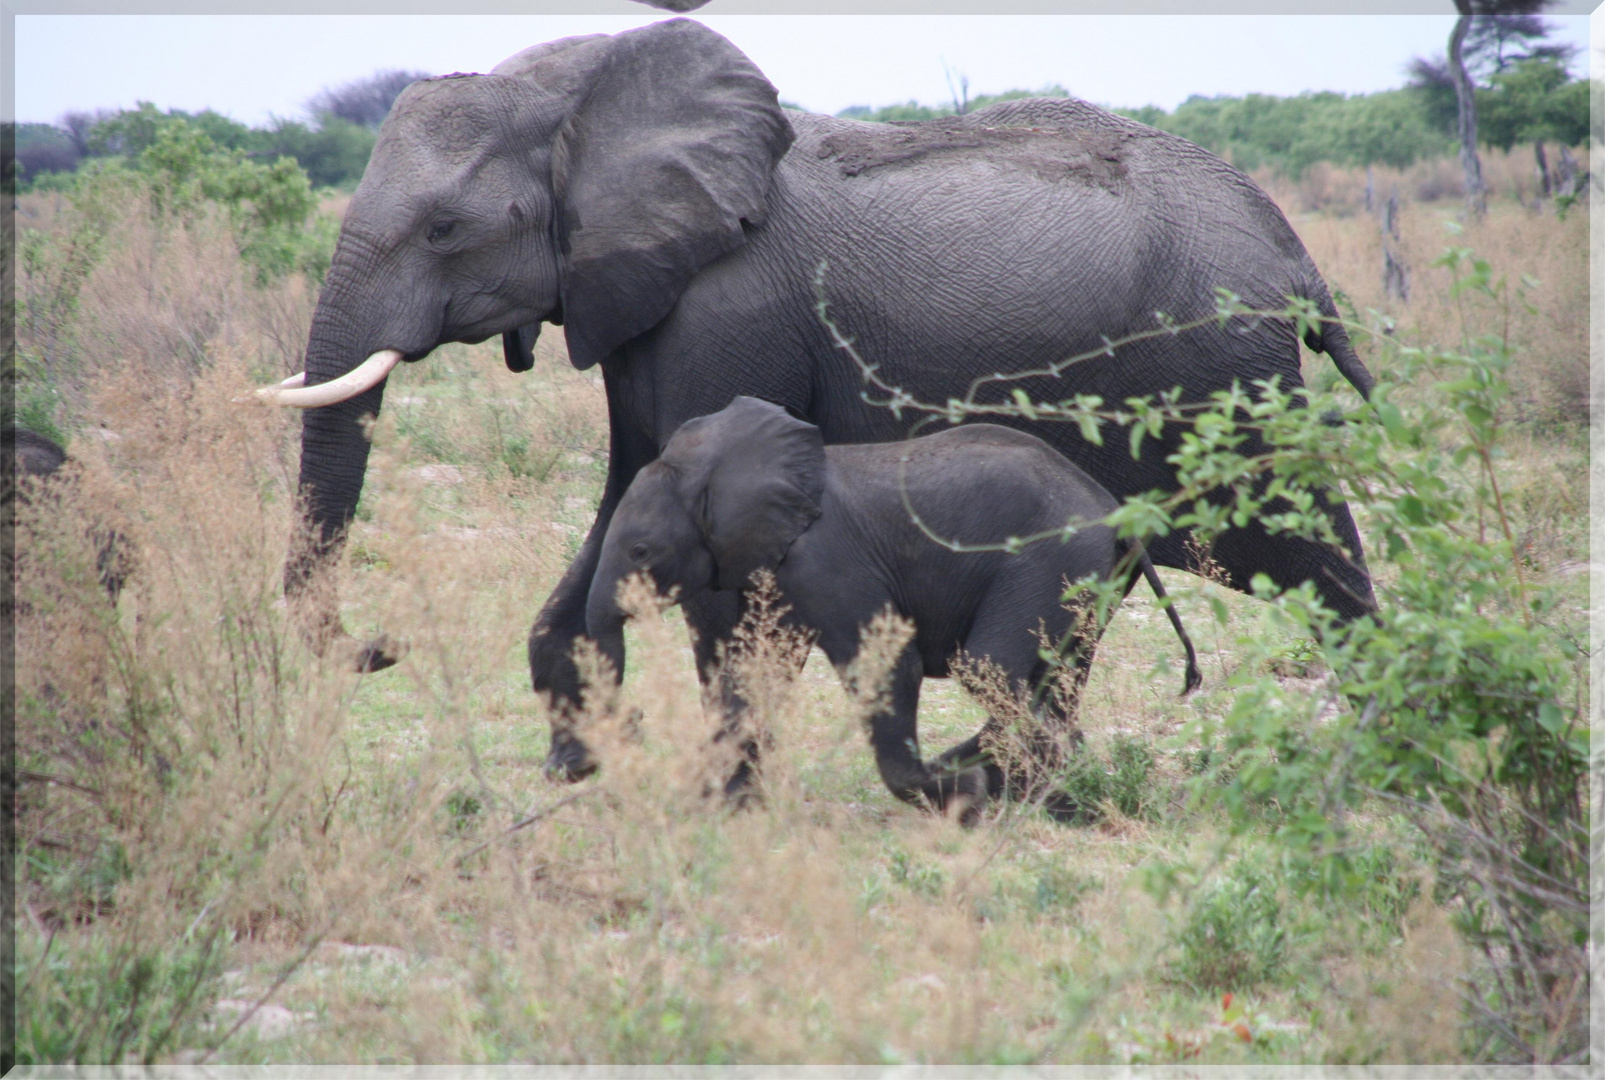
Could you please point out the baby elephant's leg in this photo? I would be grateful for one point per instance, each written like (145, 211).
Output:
(895, 738)
(1024, 754)
(713, 617)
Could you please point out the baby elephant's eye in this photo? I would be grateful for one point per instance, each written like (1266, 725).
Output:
(441, 230)
(638, 554)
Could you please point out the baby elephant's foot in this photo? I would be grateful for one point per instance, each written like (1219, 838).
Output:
(1068, 810)
(960, 794)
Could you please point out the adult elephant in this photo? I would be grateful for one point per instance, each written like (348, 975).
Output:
(645, 192)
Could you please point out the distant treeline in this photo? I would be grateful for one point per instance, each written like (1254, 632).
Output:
(332, 148)
(333, 152)
(1530, 100)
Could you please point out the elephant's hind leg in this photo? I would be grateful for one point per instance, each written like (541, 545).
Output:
(1024, 750)
(894, 736)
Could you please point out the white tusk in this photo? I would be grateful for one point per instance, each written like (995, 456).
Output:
(265, 394)
(295, 394)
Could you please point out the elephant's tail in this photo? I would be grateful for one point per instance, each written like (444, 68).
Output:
(1333, 340)
(1193, 679)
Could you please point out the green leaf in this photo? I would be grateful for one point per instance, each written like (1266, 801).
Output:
(1551, 719)
(1392, 421)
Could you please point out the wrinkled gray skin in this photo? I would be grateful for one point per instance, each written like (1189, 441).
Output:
(646, 192)
(751, 488)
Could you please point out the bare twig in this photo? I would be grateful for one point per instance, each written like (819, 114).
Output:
(538, 815)
(289, 969)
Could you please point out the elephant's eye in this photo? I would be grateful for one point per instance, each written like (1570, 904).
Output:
(441, 230)
(638, 554)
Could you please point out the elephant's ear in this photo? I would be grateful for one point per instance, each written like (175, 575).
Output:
(560, 66)
(754, 476)
(655, 172)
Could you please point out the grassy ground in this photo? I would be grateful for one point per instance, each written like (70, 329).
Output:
(234, 852)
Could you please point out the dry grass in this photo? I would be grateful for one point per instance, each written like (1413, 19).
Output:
(1541, 255)
(380, 865)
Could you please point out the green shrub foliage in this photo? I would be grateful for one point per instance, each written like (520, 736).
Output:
(1459, 708)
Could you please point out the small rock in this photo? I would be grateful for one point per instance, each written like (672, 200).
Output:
(342, 950)
(437, 474)
(927, 981)
(269, 1022)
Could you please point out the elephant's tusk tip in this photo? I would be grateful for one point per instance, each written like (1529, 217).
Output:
(295, 394)
(269, 395)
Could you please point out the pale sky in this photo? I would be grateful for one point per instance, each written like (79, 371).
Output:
(252, 67)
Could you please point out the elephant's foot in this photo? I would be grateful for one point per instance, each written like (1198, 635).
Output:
(569, 760)
(741, 791)
(967, 755)
(375, 654)
(321, 628)
(960, 794)
(1067, 810)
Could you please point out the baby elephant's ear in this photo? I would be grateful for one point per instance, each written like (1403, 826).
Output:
(754, 476)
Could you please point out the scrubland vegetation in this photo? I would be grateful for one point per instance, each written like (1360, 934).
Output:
(1366, 851)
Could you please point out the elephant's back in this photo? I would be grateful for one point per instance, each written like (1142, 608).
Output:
(1079, 150)
(1142, 195)
(979, 483)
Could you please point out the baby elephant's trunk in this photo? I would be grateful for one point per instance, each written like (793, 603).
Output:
(604, 622)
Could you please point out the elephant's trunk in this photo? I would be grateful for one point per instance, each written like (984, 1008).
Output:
(334, 460)
(604, 620)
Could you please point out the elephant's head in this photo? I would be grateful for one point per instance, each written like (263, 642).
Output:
(727, 498)
(583, 182)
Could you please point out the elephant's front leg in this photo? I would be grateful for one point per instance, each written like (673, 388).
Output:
(713, 618)
(561, 623)
(894, 735)
(553, 672)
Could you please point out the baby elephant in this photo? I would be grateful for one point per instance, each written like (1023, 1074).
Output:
(752, 488)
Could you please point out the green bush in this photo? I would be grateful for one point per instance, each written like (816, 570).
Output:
(332, 152)
(270, 205)
(1123, 778)
(1392, 127)
(1232, 937)
(1533, 100)
(913, 110)
(922, 878)
(1460, 708)
(114, 1001)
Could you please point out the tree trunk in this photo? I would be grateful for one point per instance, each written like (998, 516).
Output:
(1566, 178)
(1466, 101)
(1395, 274)
(1545, 184)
